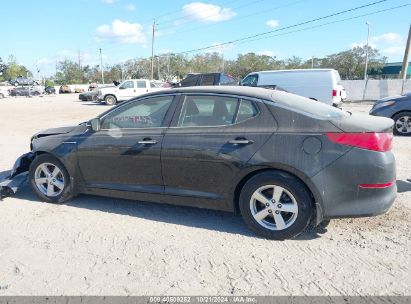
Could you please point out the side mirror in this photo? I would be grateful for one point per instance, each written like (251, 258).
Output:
(95, 124)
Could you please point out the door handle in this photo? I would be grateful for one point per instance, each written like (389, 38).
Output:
(240, 141)
(147, 141)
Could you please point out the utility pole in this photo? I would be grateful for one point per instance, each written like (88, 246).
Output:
(312, 62)
(101, 62)
(79, 65)
(158, 67)
(366, 61)
(405, 61)
(152, 49)
(366, 51)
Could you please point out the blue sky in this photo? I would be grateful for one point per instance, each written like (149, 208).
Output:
(40, 32)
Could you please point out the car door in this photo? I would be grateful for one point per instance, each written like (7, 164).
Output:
(210, 140)
(126, 90)
(141, 87)
(125, 154)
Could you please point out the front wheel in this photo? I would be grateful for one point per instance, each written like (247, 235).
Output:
(276, 205)
(49, 179)
(402, 124)
(110, 100)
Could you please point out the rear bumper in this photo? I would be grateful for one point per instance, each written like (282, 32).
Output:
(339, 184)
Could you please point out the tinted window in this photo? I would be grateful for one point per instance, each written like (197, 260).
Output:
(227, 80)
(207, 111)
(207, 80)
(190, 80)
(141, 84)
(148, 113)
(247, 110)
(127, 85)
(250, 81)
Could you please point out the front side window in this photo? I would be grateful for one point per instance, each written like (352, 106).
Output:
(147, 113)
(127, 85)
(250, 81)
(141, 84)
(200, 111)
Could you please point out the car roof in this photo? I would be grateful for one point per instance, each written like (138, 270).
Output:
(230, 90)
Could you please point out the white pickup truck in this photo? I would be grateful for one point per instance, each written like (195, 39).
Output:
(126, 90)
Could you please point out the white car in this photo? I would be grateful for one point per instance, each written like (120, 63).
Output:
(126, 90)
(319, 84)
(3, 93)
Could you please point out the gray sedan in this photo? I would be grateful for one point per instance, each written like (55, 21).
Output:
(399, 109)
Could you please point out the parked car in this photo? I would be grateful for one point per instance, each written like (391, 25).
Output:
(64, 89)
(126, 90)
(282, 161)
(50, 90)
(20, 80)
(399, 109)
(3, 93)
(25, 91)
(208, 79)
(319, 84)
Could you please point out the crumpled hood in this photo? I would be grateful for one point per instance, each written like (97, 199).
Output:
(61, 130)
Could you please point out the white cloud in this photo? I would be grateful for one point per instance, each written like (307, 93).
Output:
(207, 12)
(42, 61)
(362, 44)
(122, 32)
(388, 38)
(272, 23)
(108, 1)
(266, 53)
(130, 7)
(394, 50)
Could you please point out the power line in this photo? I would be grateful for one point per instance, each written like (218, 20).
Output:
(328, 23)
(242, 17)
(282, 28)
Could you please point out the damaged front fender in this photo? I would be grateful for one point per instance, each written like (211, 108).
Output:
(14, 179)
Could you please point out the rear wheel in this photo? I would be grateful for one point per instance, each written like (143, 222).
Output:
(276, 205)
(49, 179)
(110, 100)
(402, 123)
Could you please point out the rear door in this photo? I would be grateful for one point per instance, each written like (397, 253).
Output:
(210, 140)
(142, 87)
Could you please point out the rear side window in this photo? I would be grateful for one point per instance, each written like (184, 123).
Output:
(141, 84)
(250, 80)
(208, 80)
(200, 111)
(246, 110)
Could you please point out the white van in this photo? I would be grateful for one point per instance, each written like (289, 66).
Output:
(319, 84)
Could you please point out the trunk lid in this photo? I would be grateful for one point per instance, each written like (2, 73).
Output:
(362, 123)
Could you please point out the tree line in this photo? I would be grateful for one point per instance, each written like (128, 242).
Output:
(350, 64)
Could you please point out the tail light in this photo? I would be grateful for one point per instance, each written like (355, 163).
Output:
(377, 186)
(334, 93)
(380, 142)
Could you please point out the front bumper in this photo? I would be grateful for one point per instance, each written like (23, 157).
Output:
(11, 181)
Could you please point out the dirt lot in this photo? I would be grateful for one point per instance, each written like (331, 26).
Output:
(97, 246)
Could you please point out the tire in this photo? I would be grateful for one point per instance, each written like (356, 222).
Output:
(402, 123)
(56, 193)
(110, 100)
(2, 96)
(279, 190)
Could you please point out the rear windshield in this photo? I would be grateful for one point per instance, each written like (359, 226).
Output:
(308, 106)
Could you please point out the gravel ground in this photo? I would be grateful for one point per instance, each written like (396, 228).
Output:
(98, 246)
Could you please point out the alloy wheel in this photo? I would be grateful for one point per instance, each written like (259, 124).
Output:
(49, 179)
(274, 207)
(403, 124)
